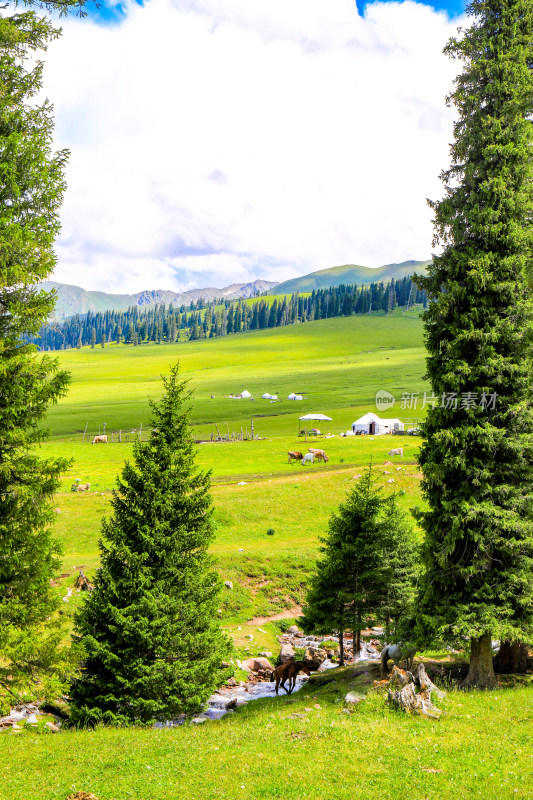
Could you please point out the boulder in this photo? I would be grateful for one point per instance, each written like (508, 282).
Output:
(266, 653)
(293, 629)
(286, 653)
(315, 654)
(198, 720)
(352, 698)
(257, 663)
(51, 727)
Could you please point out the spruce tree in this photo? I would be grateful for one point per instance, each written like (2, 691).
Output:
(369, 564)
(31, 190)
(150, 626)
(477, 453)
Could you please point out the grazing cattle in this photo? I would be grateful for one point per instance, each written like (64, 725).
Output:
(397, 451)
(289, 670)
(309, 458)
(319, 455)
(294, 455)
(83, 487)
(100, 439)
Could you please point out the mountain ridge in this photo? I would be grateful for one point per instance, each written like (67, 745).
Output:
(72, 300)
(349, 274)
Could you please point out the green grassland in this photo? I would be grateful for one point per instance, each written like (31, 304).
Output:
(273, 748)
(338, 365)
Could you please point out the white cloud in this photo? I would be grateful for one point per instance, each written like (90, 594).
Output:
(213, 142)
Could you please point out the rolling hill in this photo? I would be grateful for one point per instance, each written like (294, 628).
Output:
(348, 274)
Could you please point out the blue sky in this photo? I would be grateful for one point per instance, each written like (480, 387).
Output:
(219, 141)
(453, 7)
(114, 12)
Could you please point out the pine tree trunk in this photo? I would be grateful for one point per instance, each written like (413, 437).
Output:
(481, 672)
(512, 657)
(341, 648)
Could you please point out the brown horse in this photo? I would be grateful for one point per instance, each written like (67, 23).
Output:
(289, 670)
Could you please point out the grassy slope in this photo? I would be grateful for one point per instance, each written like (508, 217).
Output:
(338, 365)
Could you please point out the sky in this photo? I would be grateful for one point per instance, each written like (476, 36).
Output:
(219, 142)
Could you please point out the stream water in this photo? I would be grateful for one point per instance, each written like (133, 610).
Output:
(218, 702)
(217, 705)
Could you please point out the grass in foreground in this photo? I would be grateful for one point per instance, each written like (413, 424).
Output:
(292, 749)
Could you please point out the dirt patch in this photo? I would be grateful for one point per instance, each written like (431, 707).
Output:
(295, 611)
(261, 585)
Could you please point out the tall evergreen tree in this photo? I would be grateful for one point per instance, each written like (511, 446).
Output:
(150, 626)
(31, 190)
(477, 454)
(369, 564)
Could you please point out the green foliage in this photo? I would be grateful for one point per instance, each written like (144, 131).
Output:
(271, 532)
(284, 624)
(478, 461)
(150, 626)
(369, 564)
(31, 190)
(36, 664)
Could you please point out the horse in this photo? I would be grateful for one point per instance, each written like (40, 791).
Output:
(289, 670)
(397, 653)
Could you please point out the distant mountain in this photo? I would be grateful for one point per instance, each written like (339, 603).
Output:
(73, 300)
(348, 274)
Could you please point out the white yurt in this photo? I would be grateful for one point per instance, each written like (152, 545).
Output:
(246, 394)
(374, 425)
(267, 396)
(291, 396)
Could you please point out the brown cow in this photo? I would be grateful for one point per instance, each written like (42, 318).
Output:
(319, 455)
(100, 439)
(83, 487)
(294, 455)
(289, 670)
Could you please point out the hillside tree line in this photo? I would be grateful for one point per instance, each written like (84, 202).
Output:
(207, 319)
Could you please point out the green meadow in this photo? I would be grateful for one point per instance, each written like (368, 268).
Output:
(338, 365)
(310, 744)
